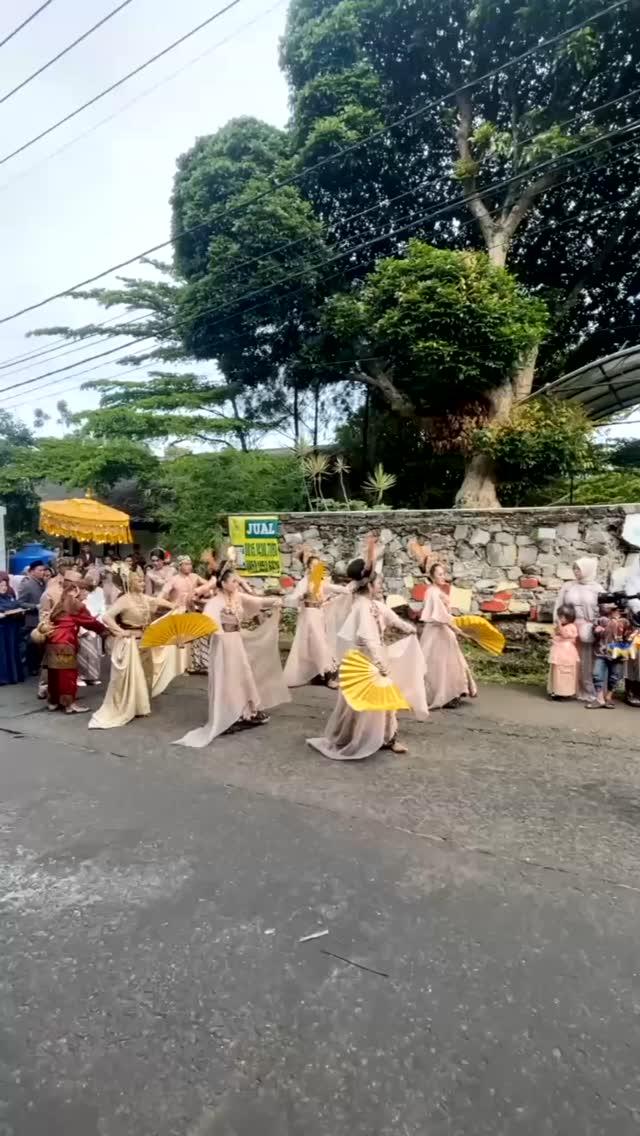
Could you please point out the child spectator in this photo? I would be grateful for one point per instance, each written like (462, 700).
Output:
(564, 659)
(611, 633)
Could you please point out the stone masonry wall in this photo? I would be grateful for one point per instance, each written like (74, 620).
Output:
(523, 555)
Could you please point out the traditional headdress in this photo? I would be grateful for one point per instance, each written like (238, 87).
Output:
(305, 554)
(421, 553)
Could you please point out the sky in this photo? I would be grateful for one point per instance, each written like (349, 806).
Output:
(105, 197)
(66, 217)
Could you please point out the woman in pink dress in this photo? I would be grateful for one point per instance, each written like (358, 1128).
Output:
(582, 593)
(245, 673)
(313, 651)
(350, 734)
(448, 678)
(564, 660)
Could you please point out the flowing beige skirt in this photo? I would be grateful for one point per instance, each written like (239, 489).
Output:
(129, 692)
(245, 675)
(352, 735)
(311, 653)
(448, 675)
(168, 663)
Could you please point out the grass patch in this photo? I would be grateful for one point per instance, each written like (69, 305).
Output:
(527, 664)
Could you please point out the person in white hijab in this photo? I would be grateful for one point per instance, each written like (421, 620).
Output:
(582, 593)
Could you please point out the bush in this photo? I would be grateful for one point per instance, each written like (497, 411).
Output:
(199, 490)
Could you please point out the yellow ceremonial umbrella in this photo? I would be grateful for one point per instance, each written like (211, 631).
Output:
(85, 519)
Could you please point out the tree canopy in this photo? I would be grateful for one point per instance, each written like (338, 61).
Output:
(448, 220)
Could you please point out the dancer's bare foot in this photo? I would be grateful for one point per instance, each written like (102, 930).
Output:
(398, 747)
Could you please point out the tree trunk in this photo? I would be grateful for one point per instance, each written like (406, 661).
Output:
(316, 412)
(479, 489)
(296, 413)
(365, 430)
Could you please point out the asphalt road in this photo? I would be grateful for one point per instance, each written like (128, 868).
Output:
(481, 898)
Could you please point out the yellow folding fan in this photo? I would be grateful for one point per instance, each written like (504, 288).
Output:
(318, 573)
(482, 632)
(178, 630)
(364, 688)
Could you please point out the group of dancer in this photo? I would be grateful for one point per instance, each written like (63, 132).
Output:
(84, 608)
(109, 605)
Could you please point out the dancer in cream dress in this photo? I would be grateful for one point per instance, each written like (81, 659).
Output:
(245, 673)
(136, 675)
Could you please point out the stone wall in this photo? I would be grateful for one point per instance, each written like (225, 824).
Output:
(519, 557)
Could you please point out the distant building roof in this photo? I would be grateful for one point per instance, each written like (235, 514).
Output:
(604, 387)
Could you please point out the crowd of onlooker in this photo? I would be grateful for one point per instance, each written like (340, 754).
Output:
(25, 598)
(596, 644)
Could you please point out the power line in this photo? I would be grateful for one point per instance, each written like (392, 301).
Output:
(54, 349)
(352, 217)
(125, 78)
(457, 203)
(65, 51)
(517, 60)
(25, 22)
(70, 366)
(144, 94)
(413, 223)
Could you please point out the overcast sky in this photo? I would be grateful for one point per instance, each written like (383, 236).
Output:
(106, 197)
(67, 216)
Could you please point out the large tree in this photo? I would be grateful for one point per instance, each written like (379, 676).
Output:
(355, 67)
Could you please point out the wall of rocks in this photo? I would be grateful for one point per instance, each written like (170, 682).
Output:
(512, 560)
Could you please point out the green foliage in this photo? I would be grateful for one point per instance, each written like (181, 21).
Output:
(611, 488)
(85, 463)
(541, 440)
(424, 479)
(625, 454)
(16, 488)
(391, 58)
(527, 665)
(447, 326)
(378, 483)
(198, 491)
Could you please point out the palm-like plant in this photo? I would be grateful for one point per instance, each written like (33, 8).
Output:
(378, 483)
(315, 467)
(341, 468)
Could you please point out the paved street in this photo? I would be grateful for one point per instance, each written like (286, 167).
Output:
(481, 897)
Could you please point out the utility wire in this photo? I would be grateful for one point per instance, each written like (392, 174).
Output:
(144, 94)
(412, 223)
(81, 346)
(383, 204)
(516, 61)
(70, 366)
(439, 211)
(25, 22)
(65, 51)
(125, 78)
